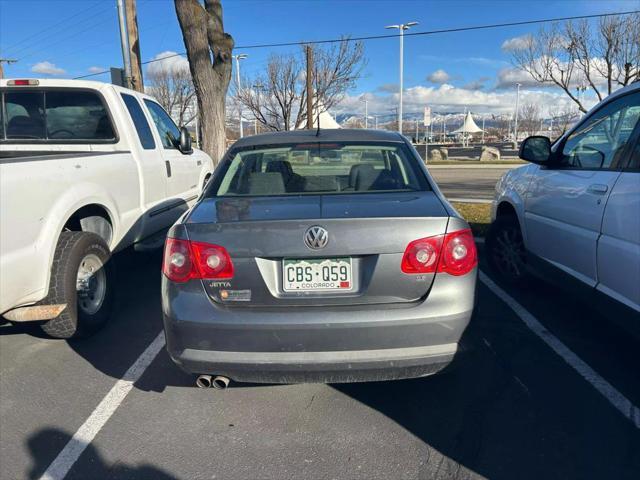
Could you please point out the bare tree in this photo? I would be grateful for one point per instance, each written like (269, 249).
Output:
(530, 119)
(280, 102)
(209, 52)
(577, 55)
(501, 126)
(562, 118)
(173, 88)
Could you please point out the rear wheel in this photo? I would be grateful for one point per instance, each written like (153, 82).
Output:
(81, 278)
(505, 250)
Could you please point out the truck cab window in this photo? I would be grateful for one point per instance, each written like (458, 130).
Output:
(169, 132)
(25, 115)
(75, 115)
(139, 121)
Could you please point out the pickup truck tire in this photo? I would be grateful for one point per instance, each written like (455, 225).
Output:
(505, 250)
(81, 277)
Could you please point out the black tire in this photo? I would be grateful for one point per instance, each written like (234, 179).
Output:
(78, 319)
(505, 249)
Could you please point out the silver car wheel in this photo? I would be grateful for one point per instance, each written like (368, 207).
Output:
(509, 254)
(91, 284)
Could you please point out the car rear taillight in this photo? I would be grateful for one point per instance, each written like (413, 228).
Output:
(184, 260)
(453, 253)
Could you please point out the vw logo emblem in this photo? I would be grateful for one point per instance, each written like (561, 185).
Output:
(316, 237)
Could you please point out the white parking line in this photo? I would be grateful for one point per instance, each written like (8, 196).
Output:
(619, 401)
(105, 409)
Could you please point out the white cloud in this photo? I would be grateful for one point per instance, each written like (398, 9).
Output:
(508, 77)
(47, 68)
(97, 69)
(447, 98)
(439, 76)
(168, 61)
(516, 43)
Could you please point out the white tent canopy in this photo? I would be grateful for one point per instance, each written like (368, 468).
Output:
(326, 120)
(468, 126)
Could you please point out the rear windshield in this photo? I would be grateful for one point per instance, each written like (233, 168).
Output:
(55, 115)
(320, 168)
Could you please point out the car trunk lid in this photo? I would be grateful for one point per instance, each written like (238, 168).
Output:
(369, 230)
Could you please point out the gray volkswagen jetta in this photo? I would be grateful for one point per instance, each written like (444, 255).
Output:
(325, 256)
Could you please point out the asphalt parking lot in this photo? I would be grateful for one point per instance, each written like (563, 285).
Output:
(468, 182)
(511, 406)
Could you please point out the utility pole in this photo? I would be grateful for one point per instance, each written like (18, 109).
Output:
(8, 61)
(131, 15)
(124, 43)
(401, 28)
(417, 141)
(242, 56)
(309, 52)
(515, 127)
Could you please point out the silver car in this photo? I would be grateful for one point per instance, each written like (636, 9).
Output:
(573, 215)
(318, 257)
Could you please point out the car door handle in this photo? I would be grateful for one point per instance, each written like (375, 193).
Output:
(598, 188)
(167, 164)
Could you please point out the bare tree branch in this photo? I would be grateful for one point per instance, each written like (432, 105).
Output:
(280, 104)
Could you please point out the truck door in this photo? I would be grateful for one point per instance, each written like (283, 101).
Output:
(565, 203)
(153, 181)
(619, 245)
(181, 169)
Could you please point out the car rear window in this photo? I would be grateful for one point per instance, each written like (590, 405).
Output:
(59, 115)
(320, 168)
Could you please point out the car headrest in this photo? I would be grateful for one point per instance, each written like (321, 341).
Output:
(24, 126)
(280, 166)
(362, 176)
(266, 183)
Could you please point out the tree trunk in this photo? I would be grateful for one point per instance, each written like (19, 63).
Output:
(209, 52)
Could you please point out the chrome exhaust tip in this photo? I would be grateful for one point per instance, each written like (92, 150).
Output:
(220, 383)
(203, 381)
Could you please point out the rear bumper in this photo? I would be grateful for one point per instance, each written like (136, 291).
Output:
(317, 344)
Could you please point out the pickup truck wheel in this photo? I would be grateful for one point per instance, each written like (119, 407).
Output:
(80, 277)
(505, 250)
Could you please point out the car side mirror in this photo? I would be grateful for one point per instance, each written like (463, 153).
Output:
(536, 149)
(185, 142)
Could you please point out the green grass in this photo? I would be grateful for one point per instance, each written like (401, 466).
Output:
(477, 214)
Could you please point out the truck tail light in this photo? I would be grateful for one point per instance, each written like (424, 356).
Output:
(185, 260)
(453, 253)
(22, 82)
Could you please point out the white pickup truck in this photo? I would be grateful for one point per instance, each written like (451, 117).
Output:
(86, 169)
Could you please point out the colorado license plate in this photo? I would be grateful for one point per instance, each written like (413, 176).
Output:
(317, 274)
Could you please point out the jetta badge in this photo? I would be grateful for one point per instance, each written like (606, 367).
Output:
(316, 237)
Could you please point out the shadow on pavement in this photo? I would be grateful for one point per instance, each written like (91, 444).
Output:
(40, 444)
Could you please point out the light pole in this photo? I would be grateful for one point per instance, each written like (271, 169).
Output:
(366, 111)
(258, 88)
(401, 28)
(239, 57)
(515, 126)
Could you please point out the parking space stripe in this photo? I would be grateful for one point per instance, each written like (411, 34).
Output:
(619, 401)
(99, 417)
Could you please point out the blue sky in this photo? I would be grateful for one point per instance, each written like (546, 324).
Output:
(42, 36)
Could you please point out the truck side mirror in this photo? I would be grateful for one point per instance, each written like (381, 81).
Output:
(536, 149)
(185, 142)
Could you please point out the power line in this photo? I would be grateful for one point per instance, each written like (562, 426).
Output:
(394, 35)
(53, 27)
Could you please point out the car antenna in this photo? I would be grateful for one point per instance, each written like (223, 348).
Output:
(318, 130)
